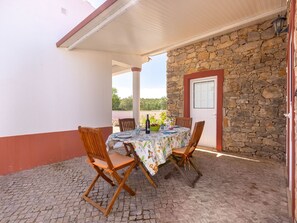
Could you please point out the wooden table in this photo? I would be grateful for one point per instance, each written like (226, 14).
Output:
(151, 150)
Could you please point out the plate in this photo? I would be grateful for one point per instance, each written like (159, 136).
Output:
(124, 136)
(169, 132)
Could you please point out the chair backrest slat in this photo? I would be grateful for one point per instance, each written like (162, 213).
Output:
(183, 122)
(195, 137)
(94, 144)
(127, 124)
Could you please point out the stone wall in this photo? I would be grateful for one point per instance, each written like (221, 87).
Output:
(254, 64)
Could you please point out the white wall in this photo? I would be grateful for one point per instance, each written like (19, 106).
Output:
(44, 88)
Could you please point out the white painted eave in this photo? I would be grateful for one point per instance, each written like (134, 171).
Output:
(150, 27)
(221, 31)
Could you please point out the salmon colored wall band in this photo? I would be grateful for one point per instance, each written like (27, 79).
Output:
(220, 79)
(82, 24)
(28, 151)
(136, 69)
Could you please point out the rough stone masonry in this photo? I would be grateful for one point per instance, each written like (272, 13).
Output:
(254, 64)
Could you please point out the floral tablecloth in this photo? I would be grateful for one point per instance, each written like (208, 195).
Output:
(153, 149)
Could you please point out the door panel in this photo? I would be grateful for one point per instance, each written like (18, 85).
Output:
(203, 107)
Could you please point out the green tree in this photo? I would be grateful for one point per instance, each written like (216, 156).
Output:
(126, 104)
(115, 99)
(163, 103)
(148, 104)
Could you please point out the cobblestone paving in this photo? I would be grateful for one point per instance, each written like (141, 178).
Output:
(230, 190)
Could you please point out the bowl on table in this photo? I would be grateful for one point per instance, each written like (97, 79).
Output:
(155, 127)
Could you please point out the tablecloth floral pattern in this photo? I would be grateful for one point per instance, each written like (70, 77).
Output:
(153, 149)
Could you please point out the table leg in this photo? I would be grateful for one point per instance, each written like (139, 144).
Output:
(147, 175)
(140, 164)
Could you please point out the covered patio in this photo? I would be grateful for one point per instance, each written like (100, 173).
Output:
(232, 189)
(134, 30)
(234, 42)
(120, 36)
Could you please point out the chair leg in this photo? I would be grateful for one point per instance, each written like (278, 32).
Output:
(191, 184)
(128, 151)
(177, 166)
(92, 185)
(195, 168)
(86, 198)
(173, 160)
(101, 173)
(168, 175)
(120, 180)
(121, 185)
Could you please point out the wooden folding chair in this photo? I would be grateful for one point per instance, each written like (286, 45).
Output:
(103, 162)
(181, 157)
(127, 124)
(183, 122)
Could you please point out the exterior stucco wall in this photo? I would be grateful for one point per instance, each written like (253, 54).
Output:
(44, 88)
(254, 64)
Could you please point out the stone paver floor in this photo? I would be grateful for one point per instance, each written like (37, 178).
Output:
(231, 190)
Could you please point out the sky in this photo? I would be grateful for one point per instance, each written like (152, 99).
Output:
(152, 76)
(95, 3)
(152, 79)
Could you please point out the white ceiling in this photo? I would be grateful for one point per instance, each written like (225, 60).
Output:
(147, 27)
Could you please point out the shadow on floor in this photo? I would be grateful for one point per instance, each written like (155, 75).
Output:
(232, 189)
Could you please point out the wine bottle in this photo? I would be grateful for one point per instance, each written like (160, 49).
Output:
(147, 125)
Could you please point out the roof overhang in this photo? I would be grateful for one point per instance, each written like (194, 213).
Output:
(149, 27)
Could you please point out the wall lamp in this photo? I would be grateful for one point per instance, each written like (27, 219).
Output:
(278, 25)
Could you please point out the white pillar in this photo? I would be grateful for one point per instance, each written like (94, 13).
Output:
(136, 93)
